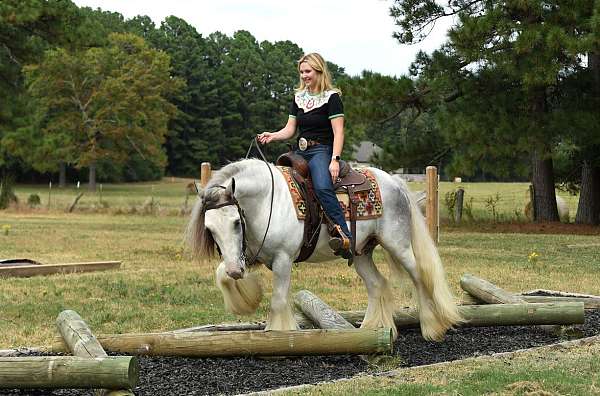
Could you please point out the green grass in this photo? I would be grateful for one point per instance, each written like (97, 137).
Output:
(169, 194)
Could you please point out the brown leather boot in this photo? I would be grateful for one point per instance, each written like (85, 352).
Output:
(340, 244)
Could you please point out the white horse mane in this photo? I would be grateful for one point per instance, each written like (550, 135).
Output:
(232, 169)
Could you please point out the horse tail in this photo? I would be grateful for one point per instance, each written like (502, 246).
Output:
(438, 311)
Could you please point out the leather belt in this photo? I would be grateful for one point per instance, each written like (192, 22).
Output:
(304, 144)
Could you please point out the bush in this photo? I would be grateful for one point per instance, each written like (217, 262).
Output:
(34, 200)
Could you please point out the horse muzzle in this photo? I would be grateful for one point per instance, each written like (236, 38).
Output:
(235, 271)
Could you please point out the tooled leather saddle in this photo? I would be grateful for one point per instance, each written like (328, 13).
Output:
(349, 181)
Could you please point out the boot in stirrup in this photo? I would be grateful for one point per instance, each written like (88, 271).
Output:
(341, 244)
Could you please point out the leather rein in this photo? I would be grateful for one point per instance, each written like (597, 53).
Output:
(234, 202)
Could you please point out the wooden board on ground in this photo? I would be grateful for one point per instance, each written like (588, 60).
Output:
(49, 269)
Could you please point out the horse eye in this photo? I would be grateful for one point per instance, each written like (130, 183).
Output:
(237, 223)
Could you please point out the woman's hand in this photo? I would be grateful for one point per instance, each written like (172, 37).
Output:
(334, 169)
(266, 137)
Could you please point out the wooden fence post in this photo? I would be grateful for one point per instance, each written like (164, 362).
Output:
(205, 173)
(432, 208)
(458, 205)
(532, 200)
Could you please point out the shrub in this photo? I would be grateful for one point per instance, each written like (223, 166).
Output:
(34, 200)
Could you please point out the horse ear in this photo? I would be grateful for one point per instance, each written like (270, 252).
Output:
(231, 188)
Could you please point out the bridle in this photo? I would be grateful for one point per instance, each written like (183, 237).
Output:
(232, 201)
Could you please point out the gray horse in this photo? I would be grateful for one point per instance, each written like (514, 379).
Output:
(233, 211)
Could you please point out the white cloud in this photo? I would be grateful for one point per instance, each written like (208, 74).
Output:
(355, 34)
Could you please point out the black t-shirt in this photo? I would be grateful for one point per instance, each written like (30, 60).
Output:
(314, 114)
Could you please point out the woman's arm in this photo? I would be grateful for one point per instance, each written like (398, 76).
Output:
(338, 135)
(284, 133)
(338, 144)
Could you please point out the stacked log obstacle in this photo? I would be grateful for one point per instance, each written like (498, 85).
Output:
(91, 367)
(482, 290)
(313, 311)
(81, 342)
(49, 269)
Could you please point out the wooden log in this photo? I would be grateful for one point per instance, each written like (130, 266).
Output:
(321, 314)
(78, 336)
(556, 293)
(81, 342)
(488, 292)
(49, 269)
(247, 343)
(495, 315)
(588, 302)
(57, 372)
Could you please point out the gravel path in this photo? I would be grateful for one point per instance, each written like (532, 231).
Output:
(179, 376)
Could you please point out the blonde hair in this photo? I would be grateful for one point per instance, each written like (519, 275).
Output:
(317, 62)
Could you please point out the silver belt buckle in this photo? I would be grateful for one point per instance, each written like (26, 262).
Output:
(302, 144)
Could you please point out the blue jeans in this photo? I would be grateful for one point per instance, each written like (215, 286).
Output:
(319, 158)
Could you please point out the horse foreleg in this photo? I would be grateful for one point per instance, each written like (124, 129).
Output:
(380, 306)
(281, 316)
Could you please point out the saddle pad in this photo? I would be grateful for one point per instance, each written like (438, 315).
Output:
(369, 201)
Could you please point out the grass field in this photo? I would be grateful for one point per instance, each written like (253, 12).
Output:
(169, 196)
(160, 288)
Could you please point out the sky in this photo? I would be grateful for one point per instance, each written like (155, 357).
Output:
(354, 34)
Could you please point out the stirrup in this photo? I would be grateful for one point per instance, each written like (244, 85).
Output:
(341, 244)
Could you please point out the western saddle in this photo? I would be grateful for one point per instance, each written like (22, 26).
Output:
(349, 181)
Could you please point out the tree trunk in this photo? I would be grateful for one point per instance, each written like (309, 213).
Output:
(543, 187)
(588, 209)
(92, 178)
(62, 174)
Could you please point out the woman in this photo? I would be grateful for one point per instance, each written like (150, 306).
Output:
(318, 113)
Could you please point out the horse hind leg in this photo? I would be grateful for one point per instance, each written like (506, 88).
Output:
(380, 306)
(281, 315)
